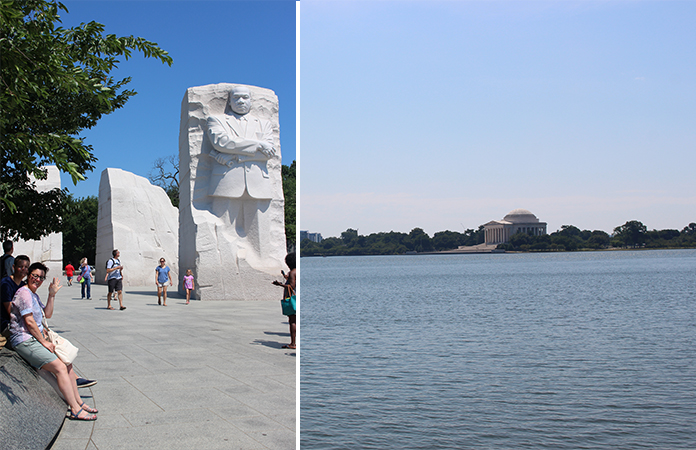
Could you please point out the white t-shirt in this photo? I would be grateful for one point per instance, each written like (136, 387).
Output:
(116, 274)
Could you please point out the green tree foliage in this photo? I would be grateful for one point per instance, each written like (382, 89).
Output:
(290, 194)
(631, 234)
(598, 239)
(165, 174)
(420, 241)
(54, 84)
(38, 214)
(80, 229)
(391, 243)
(568, 238)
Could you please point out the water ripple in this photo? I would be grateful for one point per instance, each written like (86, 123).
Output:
(561, 351)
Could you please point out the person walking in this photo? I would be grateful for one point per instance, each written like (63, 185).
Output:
(162, 275)
(114, 278)
(189, 285)
(69, 271)
(86, 278)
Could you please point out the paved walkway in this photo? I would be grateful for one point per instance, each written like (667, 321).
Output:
(209, 375)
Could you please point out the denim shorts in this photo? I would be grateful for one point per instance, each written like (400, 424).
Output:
(34, 353)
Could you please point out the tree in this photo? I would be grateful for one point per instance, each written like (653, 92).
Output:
(446, 240)
(290, 193)
(350, 237)
(632, 233)
(80, 229)
(420, 241)
(599, 239)
(520, 239)
(690, 230)
(569, 231)
(165, 177)
(38, 214)
(54, 84)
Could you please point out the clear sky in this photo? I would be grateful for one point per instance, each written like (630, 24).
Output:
(446, 115)
(247, 42)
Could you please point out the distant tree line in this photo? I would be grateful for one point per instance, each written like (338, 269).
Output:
(392, 243)
(80, 229)
(632, 234)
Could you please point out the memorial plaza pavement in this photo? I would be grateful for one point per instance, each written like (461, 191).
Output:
(209, 375)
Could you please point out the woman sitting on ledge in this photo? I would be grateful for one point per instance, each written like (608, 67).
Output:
(28, 339)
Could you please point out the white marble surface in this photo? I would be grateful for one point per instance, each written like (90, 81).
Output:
(48, 249)
(234, 239)
(139, 220)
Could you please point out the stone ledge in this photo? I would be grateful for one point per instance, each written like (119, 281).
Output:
(32, 412)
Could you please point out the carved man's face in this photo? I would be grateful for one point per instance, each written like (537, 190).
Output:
(240, 100)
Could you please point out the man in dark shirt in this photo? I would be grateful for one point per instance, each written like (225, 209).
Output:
(9, 286)
(7, 261)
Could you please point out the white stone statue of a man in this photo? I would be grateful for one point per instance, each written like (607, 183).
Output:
(239, 183)
(231, 216)
(242, 144)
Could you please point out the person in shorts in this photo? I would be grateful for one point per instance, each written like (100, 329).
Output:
(69, 271)
(29, 339)
(114, 278)
(163, 275)
(290, 287)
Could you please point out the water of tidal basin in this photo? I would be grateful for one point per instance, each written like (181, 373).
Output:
(588, 350)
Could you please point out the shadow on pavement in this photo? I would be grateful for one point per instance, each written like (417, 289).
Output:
(273, 333)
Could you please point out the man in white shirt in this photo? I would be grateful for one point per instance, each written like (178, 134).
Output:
(114, 278)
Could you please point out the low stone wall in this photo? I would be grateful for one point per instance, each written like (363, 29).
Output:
(31, 411)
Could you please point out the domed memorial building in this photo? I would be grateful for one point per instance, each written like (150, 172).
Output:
(517, 221)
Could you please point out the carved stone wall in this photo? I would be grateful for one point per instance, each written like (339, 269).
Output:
(139, 220)
(230, 261)
(48, 249)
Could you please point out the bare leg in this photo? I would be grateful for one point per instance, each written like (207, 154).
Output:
(164, 288)
(67, 385)
(159, 294)
(120, 298)
(108, 300)
(188, 296)
(76, 392)
(293, 329)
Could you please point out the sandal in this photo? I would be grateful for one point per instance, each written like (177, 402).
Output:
(88, 409)
(110, 307)
(73, 416)
(288, 346)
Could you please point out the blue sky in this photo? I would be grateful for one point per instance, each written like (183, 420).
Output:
(446, 115)
(211, 42)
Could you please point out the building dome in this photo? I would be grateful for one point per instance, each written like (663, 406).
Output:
(521, 216)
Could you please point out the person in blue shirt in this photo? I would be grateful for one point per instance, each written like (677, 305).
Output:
(162, 276)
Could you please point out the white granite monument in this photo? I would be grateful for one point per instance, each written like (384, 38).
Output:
(231, 223)
(140, 221)
(48, 249)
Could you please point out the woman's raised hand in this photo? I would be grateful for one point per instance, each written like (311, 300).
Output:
(54, 287)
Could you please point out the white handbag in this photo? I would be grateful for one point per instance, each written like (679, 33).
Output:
(65, 351)
(64, 348)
